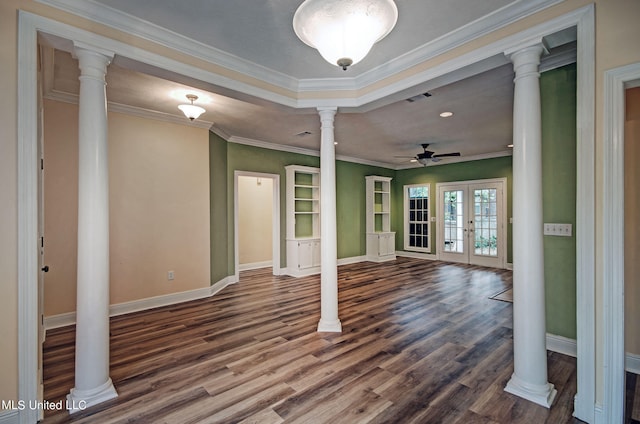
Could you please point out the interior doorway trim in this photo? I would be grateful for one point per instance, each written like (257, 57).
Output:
(616, 81)
(275, 224)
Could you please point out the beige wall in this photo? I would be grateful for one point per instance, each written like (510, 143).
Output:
(255, 220)
(8, 204)
(159, 207)
(632, 221)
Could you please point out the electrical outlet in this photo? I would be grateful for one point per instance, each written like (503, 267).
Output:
(171, 275)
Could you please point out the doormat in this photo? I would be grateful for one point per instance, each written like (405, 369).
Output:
(505, 295)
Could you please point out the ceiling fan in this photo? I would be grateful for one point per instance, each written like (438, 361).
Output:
(428, 156)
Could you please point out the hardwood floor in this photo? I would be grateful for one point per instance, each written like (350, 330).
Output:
(422, 342)
(632, 399)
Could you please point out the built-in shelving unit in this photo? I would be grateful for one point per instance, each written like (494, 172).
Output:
(380, 238)
(303, 220)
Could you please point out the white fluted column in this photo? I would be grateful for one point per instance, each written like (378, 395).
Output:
(329, 320)
(529, 379)
(92, 382)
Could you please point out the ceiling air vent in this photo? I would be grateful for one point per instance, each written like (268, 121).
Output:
(418, 97)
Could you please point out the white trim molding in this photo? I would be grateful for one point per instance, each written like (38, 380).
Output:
(256, 265)
(612, 273)
(275, 222)
(417, 255)
(561, 344)
(632, 363)
(69, 318)
(100, 13)
(9, 417)
(584, 401)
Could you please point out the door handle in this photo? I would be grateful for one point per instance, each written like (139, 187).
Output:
(45, 268)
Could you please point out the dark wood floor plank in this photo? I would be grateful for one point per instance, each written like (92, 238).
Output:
(422, 342)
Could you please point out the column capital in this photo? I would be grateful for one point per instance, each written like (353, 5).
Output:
(79, 47)
(327, 114)
(327, 109)
(526, 60)
(92, 61)
(530, 45)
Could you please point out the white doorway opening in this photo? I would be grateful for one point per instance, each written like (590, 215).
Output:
(256, 221)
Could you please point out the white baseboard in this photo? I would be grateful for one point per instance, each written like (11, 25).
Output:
(417, 255)
(632, 363)
(509, 266)
(9, 417)
(568, 347)
(562, 345)
(69, 318)
(352, 260)
(255, 265)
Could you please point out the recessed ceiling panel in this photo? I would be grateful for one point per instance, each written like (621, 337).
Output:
(261, 31)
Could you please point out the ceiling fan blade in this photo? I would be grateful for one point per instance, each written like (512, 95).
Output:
(446, 154)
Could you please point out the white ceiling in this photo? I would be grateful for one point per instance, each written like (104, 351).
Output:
(258, 35)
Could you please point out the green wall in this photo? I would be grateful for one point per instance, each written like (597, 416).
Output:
(351, 206)
(559, 195)
(463, 171)
(350, 194)
(218, 207)
(242, 157)
(558, 100)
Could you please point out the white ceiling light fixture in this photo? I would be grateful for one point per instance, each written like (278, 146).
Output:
(446, 114)
(343, 31)
(191, 111)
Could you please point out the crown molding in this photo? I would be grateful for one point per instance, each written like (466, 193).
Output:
(311, 152)
(475, 29)
(302, 151)
(60, 96)
(113, 18)
(100, 13)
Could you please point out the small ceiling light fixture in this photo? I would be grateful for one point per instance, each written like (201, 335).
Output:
(343, 31)
(446, 114)
(191, 111)
(510, 145)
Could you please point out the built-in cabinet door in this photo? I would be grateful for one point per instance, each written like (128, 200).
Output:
(387, 244)
(308, 254)
(315, 253)
(305, 254)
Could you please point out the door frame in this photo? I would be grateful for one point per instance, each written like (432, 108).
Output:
(615, 81)
(275, 222)
(502, 237)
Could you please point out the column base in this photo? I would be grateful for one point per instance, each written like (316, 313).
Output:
(540, 394)
(329, 326)
(79, 400)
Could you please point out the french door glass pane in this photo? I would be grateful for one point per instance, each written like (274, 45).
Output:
(486, 222)
(454, 221)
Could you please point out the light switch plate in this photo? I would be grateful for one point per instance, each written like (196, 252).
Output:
(553, 229)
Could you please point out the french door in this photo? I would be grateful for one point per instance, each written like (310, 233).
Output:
(471, 223)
